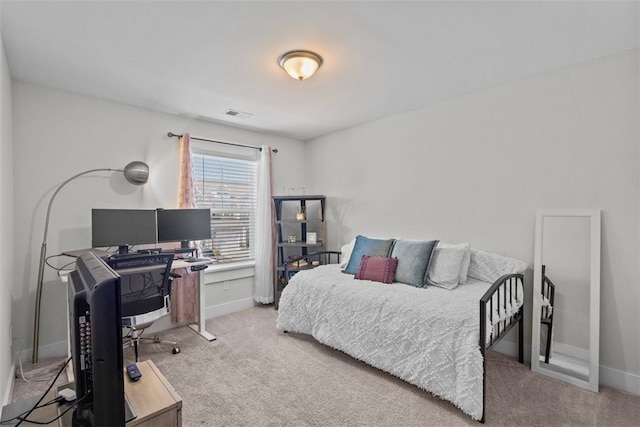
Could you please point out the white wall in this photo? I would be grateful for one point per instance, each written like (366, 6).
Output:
(58, 134)
(474, 169)
(6, 228)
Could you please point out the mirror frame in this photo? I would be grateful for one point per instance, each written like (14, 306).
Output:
(594, 297)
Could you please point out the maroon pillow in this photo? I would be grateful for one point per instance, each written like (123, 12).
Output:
(377, 269)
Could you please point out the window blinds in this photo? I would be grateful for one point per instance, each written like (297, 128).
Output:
(227, 186)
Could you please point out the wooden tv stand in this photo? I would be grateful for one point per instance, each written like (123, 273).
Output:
(152, 398)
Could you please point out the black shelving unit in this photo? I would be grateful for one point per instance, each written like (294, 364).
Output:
(289, 223)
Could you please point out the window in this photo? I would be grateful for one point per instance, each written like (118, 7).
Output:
(227, 186)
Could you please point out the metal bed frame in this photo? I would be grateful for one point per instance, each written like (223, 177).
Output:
(506, 287)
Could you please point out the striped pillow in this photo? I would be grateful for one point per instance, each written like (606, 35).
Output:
(377, 269)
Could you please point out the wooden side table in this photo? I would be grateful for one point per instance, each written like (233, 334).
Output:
(153, 399)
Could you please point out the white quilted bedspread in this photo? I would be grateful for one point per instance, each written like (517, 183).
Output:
(428, 337)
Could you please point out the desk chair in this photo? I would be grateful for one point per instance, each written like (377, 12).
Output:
(145, 288)
(548, 290)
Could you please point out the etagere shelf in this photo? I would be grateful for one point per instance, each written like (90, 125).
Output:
(297, 220)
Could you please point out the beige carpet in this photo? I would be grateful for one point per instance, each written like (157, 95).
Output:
(254, 376)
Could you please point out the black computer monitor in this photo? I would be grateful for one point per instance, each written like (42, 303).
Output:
(95, 323)
(122, 228)
(183, 225)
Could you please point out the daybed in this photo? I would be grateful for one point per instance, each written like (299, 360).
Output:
(428, 316)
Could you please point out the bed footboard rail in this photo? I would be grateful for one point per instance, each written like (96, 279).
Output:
(498, 314)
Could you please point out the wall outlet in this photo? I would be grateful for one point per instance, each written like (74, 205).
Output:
(226, 286)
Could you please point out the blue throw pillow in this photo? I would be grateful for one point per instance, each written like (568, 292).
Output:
(366, 246)
(413, 261)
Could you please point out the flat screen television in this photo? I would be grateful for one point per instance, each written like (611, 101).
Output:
(183, 225)
(122, 228)
(95, 325)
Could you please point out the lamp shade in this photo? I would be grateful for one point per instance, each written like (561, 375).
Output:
(136, 172)
(300, 64)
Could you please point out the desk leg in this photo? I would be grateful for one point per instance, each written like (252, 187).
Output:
(199, 327)
(200, 330)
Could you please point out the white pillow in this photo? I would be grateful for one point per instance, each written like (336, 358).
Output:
(489, 267)
(446, 269)
(466, 261)
(346, 253)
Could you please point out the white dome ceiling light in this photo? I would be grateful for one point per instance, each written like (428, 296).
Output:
(300, 64)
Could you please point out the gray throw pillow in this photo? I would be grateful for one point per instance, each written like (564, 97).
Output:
(413, 260)
(366, 246)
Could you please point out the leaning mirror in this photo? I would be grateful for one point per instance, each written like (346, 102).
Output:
(566, 302)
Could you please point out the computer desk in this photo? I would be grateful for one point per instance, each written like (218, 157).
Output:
(198, 326)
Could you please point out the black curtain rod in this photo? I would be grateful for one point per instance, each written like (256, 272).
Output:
(173, 135)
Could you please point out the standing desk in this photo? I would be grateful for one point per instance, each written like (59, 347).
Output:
(199, 326)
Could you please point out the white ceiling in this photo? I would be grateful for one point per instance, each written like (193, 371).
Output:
(200, 58)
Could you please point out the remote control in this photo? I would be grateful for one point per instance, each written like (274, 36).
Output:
(134, 372)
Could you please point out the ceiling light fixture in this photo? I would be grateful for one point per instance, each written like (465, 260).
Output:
(300, 64)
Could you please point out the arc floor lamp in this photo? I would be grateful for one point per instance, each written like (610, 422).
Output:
(136, 173)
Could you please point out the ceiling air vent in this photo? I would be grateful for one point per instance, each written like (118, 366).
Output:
(237, 113)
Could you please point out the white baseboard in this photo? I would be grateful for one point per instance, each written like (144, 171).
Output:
(8, 392)
(228, 307)
(620, 380)
(570, 350)
(610, 377)
(510, 348)
(57, 349)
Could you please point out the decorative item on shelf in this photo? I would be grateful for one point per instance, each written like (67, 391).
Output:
(299, 264)
(312, 238)
(301, 215)
(292, 238)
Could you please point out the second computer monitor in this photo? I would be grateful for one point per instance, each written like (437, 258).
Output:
(183, 225)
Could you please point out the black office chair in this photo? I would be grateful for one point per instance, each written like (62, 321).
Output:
(548, 290)
(145, 288)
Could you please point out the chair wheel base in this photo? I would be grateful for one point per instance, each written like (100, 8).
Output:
(176, 350)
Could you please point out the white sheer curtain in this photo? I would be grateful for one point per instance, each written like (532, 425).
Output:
(263, 281)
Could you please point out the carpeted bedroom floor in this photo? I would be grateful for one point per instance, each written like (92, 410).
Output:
(254, 376)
